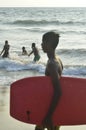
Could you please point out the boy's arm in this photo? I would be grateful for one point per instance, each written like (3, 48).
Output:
(2, 51)
(53, 73)
(30, 53)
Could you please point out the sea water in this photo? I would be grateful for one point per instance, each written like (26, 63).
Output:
(23, 26)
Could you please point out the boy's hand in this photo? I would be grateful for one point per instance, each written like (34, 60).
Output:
(47, 122)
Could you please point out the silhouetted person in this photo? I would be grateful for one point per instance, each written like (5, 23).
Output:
(35, 52)
(5, 51)
(24, 52)
(54, 69)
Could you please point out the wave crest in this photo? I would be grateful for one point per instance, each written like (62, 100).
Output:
(46, 22)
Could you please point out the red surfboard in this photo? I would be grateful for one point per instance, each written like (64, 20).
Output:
(30, 98)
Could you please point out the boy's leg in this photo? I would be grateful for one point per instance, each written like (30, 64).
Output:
(37, 127)
(54, 128)
(57, 128)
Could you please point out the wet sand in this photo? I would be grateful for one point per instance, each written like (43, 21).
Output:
(9, 123)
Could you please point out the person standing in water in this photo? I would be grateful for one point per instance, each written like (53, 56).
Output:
(24, 52)
(35, 52)
(54, 69)
(5, 51)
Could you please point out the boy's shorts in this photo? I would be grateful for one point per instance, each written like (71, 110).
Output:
(36, 58)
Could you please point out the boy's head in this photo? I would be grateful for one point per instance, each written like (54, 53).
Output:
(51, 39)
(33, 44)
(6, 42)
(23, 48)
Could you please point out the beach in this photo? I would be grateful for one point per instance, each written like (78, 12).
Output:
(8, 122)
(23, 26)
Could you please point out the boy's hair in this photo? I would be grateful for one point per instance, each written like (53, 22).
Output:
(52, 38)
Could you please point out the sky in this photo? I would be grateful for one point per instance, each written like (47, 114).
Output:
(42, 3)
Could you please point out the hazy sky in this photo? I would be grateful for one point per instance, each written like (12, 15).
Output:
(42, 3)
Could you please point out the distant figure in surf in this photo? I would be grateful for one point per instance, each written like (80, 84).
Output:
(24, 52)
(5, 51)
(54, 69)
(35, 52)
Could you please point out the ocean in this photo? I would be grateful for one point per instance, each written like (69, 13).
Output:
(23, 26)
